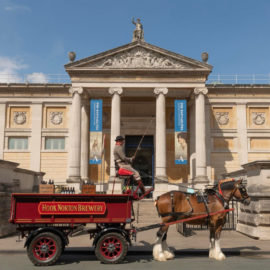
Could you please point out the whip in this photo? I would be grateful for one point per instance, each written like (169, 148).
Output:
(138, 147)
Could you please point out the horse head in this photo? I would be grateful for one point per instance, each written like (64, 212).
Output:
(231, 188)
(240, 192)
(235, 189)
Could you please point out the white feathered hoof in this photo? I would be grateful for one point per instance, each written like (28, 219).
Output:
(219, 256)
(161, 257)
(158, 254)
(169, 255)
(211, 254)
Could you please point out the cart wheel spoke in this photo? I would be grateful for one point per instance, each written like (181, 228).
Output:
(111, 248)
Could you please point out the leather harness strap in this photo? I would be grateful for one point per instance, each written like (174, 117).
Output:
(173, 213)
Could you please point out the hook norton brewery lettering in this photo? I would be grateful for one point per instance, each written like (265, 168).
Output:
(72, 208)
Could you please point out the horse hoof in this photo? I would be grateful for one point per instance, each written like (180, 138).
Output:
(169, 255)
(161, 258)
(221, 257)
(211, 255)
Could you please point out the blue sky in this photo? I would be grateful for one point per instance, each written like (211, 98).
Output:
(36, 35)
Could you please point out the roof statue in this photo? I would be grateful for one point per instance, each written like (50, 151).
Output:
(138, 32)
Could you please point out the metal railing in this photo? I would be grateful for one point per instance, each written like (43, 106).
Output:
(64, 78)
(239, 79)
(35, 78)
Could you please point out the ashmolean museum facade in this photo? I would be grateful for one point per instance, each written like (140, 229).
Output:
(45, 127)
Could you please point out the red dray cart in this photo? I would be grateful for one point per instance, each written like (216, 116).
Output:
(47, 220)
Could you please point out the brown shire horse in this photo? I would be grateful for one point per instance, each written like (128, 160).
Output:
(176, 205)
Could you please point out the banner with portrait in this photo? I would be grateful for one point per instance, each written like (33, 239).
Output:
(180, 131)
(95, 151)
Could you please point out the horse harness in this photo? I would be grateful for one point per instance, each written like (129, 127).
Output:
(200, 198)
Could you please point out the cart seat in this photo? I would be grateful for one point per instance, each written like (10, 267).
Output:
(121, 172)
(124, 173)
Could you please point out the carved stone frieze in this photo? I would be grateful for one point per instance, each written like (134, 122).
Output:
(258, 118)
(56, 118)
(139, 58)
(19, 118)
(222, 118)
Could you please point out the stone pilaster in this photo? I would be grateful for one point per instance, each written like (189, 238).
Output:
(242, 146)
(161, 183)
(74, 172)
(115, 92)
(36, 136)
(201, 175)
(2, 129)
(85, 140)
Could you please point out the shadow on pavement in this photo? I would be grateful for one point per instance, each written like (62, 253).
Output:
(75, 257)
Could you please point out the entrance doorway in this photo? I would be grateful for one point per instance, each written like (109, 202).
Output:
(144, 160)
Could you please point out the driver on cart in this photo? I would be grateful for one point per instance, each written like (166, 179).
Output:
(125, 162)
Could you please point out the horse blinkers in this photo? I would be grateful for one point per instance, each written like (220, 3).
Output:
(245, 199)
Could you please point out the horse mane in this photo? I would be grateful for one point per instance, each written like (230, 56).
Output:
(225, 184)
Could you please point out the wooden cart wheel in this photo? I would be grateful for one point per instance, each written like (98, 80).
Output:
(111, 248)
(45, 249)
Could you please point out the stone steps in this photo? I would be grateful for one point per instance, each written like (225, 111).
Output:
(145, 212)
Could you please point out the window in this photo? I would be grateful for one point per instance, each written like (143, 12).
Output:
(17, 143)
(55, 144)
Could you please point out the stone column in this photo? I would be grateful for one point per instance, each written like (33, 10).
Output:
(201, 174)
(115, 131)
(85, 141)
(2, 129)
(161, 184)
(74, 173)
(36, 136)
(242, 145)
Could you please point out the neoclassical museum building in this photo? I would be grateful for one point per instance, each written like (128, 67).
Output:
(46, 127)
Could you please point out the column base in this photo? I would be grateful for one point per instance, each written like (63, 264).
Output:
(102, 188)
(200, 181)
(85, 179)
(161, 186)
(115, 185)
(75, 181)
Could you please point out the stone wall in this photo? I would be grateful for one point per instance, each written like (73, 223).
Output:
(14, 180)
(5, 199)
(254, 220)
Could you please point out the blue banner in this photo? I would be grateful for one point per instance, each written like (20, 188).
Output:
(95, 131)
(96, 115)
(180, 131)
(180, 115)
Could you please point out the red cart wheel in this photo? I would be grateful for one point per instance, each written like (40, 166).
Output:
(45, 249)
(111, 248)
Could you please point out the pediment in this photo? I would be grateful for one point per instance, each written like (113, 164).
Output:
(138, 56)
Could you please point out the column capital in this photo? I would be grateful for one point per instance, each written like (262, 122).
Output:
(200, 90)
(161, 90)
(115, 90)
(73, 90)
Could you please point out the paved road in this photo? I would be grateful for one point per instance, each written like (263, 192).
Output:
(83, 261)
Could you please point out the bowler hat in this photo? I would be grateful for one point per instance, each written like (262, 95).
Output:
(119, 138)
